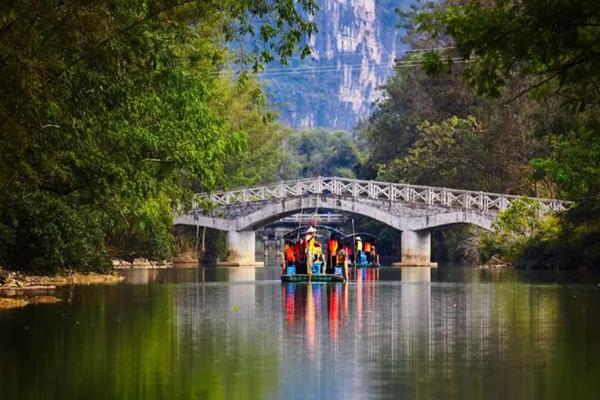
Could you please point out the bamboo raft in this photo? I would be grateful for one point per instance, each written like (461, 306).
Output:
(367, 265)
(312, 278)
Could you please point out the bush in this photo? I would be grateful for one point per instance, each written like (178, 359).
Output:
(522, 236)
(42, 232)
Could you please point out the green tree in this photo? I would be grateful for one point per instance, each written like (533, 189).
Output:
(554, 42)
(314, 152)
(109, 119)
(445, 154)
(515, 229)
(244, 107)
(554, 46)
(410, 97)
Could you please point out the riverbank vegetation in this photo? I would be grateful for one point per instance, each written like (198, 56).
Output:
(507, 103)
(113, 114)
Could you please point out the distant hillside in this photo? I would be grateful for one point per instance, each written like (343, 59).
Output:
(353, 54)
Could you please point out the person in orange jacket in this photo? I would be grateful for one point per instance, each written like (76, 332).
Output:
(289, 256)
(332, 248)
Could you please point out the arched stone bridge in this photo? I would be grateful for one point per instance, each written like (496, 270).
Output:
(414, 210)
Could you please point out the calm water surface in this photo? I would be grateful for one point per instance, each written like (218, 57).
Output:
(239, 333)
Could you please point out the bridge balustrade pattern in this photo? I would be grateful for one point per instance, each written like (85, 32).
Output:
(413, 209)
(394, 192)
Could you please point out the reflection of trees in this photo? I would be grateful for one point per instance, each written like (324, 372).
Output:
(128, 343)
(366, 338)
(474, 338)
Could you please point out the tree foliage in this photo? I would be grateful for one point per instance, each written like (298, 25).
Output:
(516, 228)
(245, 109)
(553, 46)
(555, 42)
(314, 152)
(410, 97)
(110, 119)
(446, 154)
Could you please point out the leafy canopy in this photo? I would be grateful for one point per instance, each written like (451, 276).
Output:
(556, 42)
(109, 119)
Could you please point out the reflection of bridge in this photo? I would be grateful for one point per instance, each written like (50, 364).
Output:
(414, 210)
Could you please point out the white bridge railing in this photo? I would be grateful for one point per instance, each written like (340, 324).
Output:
(392, 192)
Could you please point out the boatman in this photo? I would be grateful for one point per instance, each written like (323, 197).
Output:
(309, 243)
(332, 248)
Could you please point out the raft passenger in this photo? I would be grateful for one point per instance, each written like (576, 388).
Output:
(289, 257)
(332, 248)
(359, 251)
(319, 257)
(374, 256)
(299, 255)
(341, 261)
(367, 250)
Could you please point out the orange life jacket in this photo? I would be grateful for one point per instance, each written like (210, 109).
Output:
(332, 246)
(367, 247)
(289, 254)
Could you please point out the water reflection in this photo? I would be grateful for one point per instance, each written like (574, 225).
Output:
(415, 274)
(306, 303)
(238, 334)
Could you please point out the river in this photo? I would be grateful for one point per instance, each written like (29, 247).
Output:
(238, 333)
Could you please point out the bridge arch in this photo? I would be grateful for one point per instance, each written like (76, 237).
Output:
(403, 219)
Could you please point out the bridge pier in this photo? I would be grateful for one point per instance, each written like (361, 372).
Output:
(415, 249)
(241, 249)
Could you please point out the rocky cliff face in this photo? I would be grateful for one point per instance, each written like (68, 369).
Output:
(353, 54)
